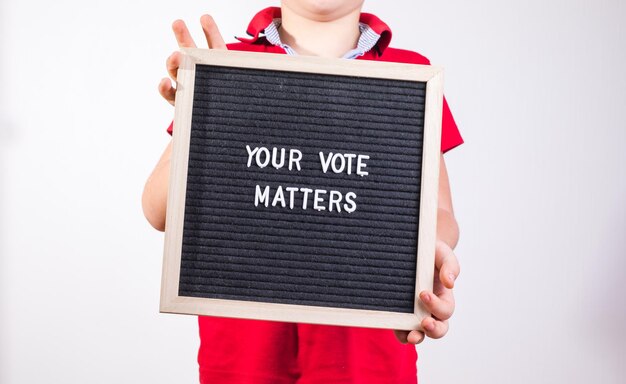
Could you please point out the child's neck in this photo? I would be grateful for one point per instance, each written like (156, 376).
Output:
(309, 37)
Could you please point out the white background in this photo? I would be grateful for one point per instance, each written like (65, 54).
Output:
(537, 87)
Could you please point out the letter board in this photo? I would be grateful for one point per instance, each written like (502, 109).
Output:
(302, 189)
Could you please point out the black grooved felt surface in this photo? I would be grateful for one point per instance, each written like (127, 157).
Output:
(235, 250)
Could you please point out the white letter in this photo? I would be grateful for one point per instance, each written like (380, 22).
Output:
(335, 198)
(282, 158)
(250, 154)
(361, 164)
(279, 196)
(262, 196)
(291, 199)
(267, 157)
(294, 159)
(349, 156)
(350, 196)
(326, 163)
(343, 163)
(306, 192)
(319, 199)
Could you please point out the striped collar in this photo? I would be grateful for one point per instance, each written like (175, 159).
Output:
(375, 34)
(367, 40)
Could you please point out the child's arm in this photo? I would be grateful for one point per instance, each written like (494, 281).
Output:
(440, 302)
(154, 198)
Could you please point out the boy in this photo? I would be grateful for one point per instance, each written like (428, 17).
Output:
(248, 351)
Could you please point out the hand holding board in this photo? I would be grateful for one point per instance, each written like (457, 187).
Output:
(302, 189)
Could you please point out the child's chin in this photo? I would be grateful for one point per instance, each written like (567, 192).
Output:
(325, 10)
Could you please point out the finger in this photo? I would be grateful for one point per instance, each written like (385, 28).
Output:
(167, 90)
(442, 306)
(415, 337)
(172, 64)
(183, 37)
(412, 337)
(435, 329)
(212, 33)
(447, 264)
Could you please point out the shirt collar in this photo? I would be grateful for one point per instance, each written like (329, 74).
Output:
(375, 34)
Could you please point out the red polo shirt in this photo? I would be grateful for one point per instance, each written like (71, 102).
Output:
(250, 351)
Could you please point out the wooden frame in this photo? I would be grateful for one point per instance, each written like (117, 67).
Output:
(171, 302)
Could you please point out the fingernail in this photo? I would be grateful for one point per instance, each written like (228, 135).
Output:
(452, 277)
(429, 326)
(426, 297)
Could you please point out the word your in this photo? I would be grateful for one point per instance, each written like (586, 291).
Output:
(263, 157)
(321, 199)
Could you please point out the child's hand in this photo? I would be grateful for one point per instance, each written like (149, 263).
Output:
(214, 40)
(440, 302)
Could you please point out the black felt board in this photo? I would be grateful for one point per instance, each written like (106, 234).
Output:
(232, 249)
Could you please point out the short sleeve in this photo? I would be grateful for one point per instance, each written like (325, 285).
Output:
(450, 135)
